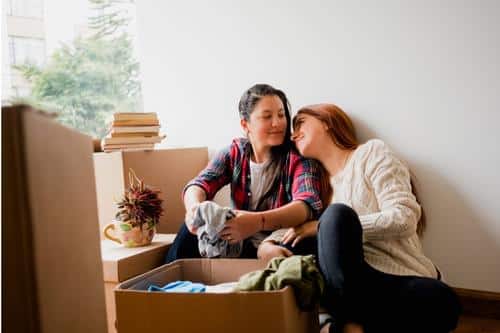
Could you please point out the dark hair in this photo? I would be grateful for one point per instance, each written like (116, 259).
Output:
(343, 135)
(278, 160)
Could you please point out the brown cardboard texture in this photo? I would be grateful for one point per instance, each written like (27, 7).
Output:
(165, 169)
(255, 311)
(51, 277)
(120, 263)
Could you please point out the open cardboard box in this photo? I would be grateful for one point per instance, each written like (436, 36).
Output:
(255, 311)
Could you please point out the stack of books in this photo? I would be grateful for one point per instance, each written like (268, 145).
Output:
(133, 131)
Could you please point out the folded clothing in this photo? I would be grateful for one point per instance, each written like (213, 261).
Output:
(210, 219)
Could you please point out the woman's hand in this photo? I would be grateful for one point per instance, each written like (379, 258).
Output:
(298, 233)
(243, 225)
(268, 250)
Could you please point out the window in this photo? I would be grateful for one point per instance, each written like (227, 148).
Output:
(21, 91)
(25, 8)
(77, 59)
(26, 50)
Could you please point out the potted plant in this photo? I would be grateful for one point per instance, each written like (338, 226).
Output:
(139, 212)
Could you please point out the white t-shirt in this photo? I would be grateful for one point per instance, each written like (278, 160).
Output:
(257, 181)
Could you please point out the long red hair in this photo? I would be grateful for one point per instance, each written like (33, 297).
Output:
(343, 134)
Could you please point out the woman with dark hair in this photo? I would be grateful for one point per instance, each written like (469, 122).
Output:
(272, 186)
(369, 252)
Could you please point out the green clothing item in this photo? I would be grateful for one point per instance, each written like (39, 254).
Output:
(300, 272)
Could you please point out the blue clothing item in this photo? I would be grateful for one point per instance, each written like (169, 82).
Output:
(180, 287)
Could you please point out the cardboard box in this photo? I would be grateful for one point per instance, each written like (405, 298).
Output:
(51, 277)
(257, 311)
(120, 263)
(168, 170)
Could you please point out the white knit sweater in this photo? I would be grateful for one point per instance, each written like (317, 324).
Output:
(376, 184)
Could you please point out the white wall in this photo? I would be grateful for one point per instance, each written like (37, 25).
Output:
(422, 75)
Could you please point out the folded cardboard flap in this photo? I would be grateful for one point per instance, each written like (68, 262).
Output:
(158, 277)
(263, 311)
(222, 270)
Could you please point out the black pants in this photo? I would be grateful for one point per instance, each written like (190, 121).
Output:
(380, 302)
(306, 246)
(186, 246)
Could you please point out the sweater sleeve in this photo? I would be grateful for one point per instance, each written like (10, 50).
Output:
(390, 181)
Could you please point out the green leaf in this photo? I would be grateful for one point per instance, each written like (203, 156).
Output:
(125, 227)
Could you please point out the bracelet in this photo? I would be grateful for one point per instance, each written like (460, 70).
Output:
(263, 220)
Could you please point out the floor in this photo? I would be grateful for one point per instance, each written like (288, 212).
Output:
(468, 324)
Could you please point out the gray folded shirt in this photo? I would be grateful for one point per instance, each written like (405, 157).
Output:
(210, 219)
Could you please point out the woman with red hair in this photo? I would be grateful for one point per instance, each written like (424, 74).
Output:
(369, 252)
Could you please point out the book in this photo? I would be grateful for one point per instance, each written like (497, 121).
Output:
(129, 145)
(133, 134)
(109, 150)
(134, 115)
(127, 140)
(135, 129)
(135, 122)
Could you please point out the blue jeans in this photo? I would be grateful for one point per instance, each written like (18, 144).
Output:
(380, 302)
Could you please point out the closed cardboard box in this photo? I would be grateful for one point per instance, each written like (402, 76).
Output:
(51, 272)
(257, 311)
(165, 169)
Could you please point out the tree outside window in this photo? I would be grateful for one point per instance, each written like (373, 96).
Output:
(88, 79)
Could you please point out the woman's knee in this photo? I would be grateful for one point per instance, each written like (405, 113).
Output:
(339, 217)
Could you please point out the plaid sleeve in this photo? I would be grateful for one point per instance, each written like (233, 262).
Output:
(306, 185)
(215, 175)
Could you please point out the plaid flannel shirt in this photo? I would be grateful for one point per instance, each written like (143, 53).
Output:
(299, 179)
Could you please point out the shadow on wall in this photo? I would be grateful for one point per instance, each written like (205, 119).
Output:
(363, 131)
(456, 239)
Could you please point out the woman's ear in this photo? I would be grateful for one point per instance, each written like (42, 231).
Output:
(244, 126)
